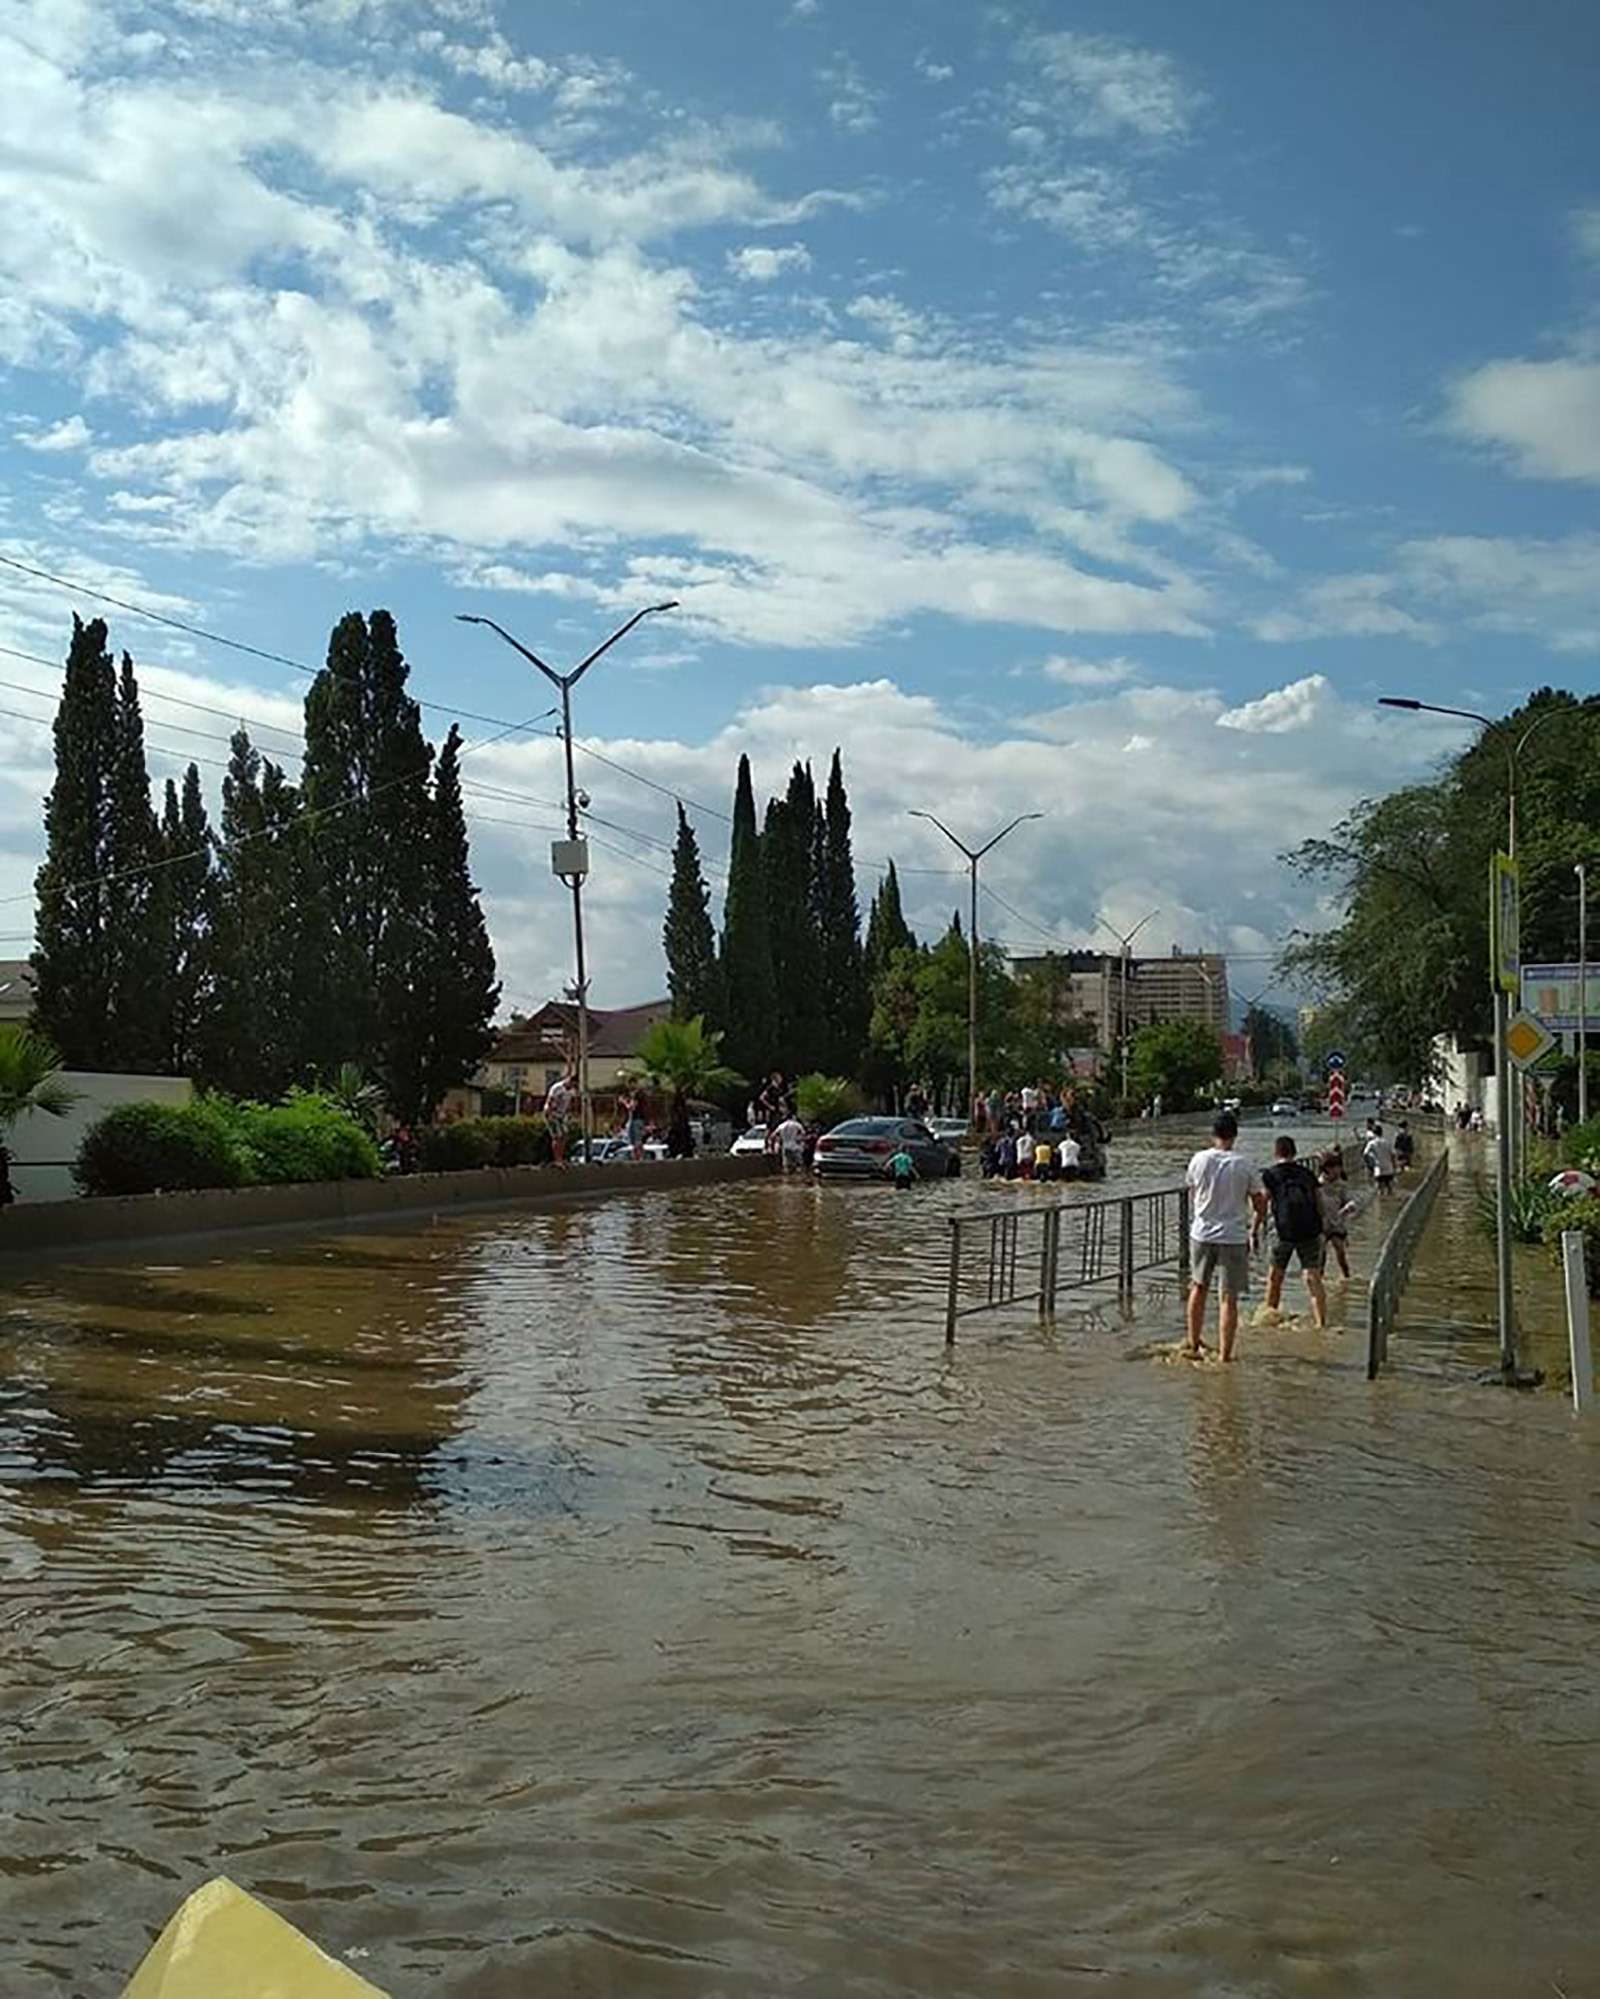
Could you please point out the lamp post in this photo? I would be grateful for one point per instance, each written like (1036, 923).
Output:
(1125, 939)
(1582, 872)
(1502, 1076)
(974, 855)
(576, 852)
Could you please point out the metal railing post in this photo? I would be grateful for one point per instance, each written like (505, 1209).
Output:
(1125, 1253)
(1576, 1280)
(1049, 1252)
(954, 1293)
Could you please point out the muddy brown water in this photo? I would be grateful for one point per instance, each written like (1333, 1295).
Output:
(636, 1599)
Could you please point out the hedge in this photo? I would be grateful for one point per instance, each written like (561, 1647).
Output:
(483, 1141)
(145, 1148)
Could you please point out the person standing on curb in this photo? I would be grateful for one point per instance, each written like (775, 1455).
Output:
(1223, 1191)
(557, 1114)
(1296, 1205)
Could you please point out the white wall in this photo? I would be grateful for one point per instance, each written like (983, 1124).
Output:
(43, 1148)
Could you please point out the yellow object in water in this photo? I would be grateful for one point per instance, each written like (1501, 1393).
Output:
(224, 1944)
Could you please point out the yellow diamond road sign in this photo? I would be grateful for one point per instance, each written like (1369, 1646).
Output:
(1527, 1039)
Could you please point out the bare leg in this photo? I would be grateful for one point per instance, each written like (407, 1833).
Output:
(1274, 1287)
(1319, 1299)
(1228, 1322)
(1343, 1257)
(1196, 1318)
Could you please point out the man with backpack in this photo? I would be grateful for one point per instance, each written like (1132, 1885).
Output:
(1296, 1205)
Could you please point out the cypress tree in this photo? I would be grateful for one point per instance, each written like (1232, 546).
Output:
(687, 937)
(187, 898)
(846, 1005)
(255, 1033)
(749, 993)
(787, 850)
(73, 958)
(887, 928)
(440, 1031)
(365, 776)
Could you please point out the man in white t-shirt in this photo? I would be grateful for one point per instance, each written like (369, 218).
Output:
(1379, 1154)
(558, 1104)
(1223, 1189)
(1069, 1158)
(790, 1139)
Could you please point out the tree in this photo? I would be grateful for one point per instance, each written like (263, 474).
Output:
(365, 777)
(1271, 1040)
(846, 1002)
(256, 1041)
(686, 1056)
(827, 1100)
(437, 996)
(748, 991)
(98, 956)
(887, 928)
(894, 1014)
(1176, 1060)
(187, 905)
(687, 937)
(30, 1080)
(788, 845)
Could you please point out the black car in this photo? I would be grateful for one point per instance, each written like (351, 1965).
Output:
(863, 1146)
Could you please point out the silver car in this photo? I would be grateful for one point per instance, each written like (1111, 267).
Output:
(862, 1147)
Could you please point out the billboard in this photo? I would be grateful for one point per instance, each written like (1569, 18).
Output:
(1551, 992)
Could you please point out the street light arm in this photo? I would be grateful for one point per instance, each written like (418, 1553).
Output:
(516, 645)
(1432, 708)
(913, 813)
(621, 632)
(1021, 819)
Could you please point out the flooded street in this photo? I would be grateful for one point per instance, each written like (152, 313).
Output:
(637, 1599)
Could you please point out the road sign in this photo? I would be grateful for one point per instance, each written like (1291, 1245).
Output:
(1333, 1061)
(1527, 1039)
(1551, 992)
(1505, 925)
(1336, 1093)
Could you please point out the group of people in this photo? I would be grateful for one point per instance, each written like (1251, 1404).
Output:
(1031, 1109)
(636, 1120)
(1231, 1205)
(1039, 1133)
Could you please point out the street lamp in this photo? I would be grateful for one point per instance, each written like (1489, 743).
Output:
(974, 855)
(1126, 941)
(570, 858)
(1502, 1076)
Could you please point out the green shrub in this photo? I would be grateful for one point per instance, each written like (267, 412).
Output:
(307, 1137)
(455, 1148)
(516, 1141)
(1529, 1208)
(140, 1148)
(1580, 1212)
(1580, 1145)
(827, 1100)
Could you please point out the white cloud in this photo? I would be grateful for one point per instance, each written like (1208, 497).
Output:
(760, 263)
(1544, 414)
(1544, 589)
(931, 71)
(72, 434)
(1088, 672)
(1357, 605)
(493, 61)
(853, 104)
(1586, 232)
(1112, 88)
(1298, 706)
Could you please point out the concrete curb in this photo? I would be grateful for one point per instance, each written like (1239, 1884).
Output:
(41, 1227)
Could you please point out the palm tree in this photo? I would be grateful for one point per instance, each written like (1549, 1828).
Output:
(30, 1080)
(682, 1056)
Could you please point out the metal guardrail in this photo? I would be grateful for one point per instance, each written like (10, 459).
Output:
(1029, 1253)
(1388, 1281)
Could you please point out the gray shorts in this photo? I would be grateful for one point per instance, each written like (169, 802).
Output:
(1230, 1261)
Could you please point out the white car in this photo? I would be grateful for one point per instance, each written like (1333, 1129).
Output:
(1285, 1107)
(610, 1151)
(753, 1140)
(951, 1129)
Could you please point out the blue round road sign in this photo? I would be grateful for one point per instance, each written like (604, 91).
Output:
(1334, 1061)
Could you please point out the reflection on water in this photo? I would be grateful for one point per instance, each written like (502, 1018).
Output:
(637, 1598)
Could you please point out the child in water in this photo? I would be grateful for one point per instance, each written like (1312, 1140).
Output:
(904, 1169)
(1333, 1193)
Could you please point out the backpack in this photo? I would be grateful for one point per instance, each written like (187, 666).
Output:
(1296, 1205)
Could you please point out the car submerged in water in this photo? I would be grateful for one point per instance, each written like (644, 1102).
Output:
(862, 1147)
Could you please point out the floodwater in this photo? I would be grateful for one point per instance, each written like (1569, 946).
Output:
(637, 1599)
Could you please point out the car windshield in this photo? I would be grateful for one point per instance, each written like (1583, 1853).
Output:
(866, 1127)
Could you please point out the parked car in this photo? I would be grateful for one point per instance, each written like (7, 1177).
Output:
(862, 1147)
(753, 1140)
(951, 1129)
(608, 1151)
(1284, 1107)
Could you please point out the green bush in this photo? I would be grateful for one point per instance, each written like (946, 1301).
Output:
(827, 1100)
(1580, 1212)
(215, 1142)
(1580, 1145)
(307, 1137)
(517, 1141)
(1528, 1210)
(140, 1148)
(455, 1148)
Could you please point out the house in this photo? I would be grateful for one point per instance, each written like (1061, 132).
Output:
(533, 1050)
(16, 988)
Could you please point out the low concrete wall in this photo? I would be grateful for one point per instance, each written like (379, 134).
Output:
(45, 1227)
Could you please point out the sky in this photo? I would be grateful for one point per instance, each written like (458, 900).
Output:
(1084, 410)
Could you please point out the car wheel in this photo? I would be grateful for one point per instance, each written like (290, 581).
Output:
(953, 1170)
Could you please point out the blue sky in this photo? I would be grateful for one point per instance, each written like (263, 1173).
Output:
(1079, 409)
